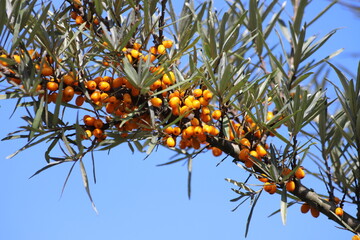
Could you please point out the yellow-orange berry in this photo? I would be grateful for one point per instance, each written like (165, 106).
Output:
(91, 85)
(169, 130)
(170, 142)
(196, 104)
(270, 187)
(290, 186)
(355, 237)
(176, 131)
(52, 86)
(299, 173)
(269, 116)
(261, 150)
(95, 96)
(339, 211)
(79, 20)
(167, 43)
(197, 92)
(98, 133)
(161, 49)
(137, 46)
(244, 142)
(169, 78)
(156, 102)
(207, 95)
(104, 86)
(216, 114)
(263, 178)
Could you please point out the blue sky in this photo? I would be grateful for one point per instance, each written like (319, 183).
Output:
(137, 200)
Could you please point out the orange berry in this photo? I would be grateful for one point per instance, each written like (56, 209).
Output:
(244, 142)
(68, 93)
(89, 121)
(79, 101)
(156, 102)
(98, 133)
(169, 130)
(137, 46)
(134, 53)
(169, 78)
(185, 110)
(203, 101)
(314, 212)
(127, 98)
(153, 50)
(98, 123)
(176, 131)
(198, 130)
(270, 187)
(305, 207)
(47, 71)
(205, 118)
(290, 186)
(95, 96)
(216, 151)
(161, 49)
(170, 142)
(197, 92)
(174, 102)
(167, 43)
(96, 21)
(355, 237)
(207, 95)
(337, 200)
(91, 85)
(244, 154)
(205, 110)
(155, 85)
(79, 20)
(249, 163)
(117, 82)
(263, 178)
(68, 79)
(299, 173)
(52, 86)
(104, 86)
(339, 211)
(196, 104)
(216, 114)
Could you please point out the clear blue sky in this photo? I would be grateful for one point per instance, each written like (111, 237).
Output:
(137, 200)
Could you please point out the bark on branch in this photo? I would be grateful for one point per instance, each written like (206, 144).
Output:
(302, 192)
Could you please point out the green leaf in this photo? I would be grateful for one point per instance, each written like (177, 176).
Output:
(86, 184)
(251, 212)
(38, 116)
